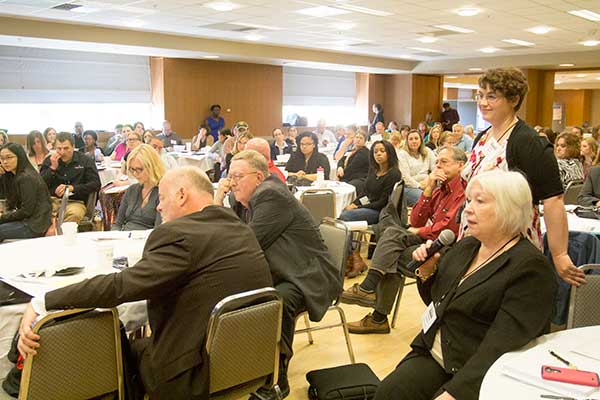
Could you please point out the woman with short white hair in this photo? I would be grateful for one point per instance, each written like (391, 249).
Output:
(492, 293)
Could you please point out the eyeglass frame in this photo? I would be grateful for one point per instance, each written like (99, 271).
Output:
(237, 178)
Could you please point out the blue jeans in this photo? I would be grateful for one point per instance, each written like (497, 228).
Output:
(16, 230)
(412, 195)
(361, 214)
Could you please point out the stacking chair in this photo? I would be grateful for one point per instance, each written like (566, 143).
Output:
(243, 338)
(571, 191)
(584, 309)
(337, 238)
(80, 357)
(64, 201)
(320, 203)
(87, 223)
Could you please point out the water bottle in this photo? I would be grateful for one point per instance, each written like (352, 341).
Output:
(320, 177)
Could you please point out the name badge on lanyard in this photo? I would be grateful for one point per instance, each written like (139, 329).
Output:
(428, 318)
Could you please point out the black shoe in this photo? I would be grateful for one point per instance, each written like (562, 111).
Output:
(271, 393)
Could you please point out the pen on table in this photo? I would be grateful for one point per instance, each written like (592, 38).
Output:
(551, 396)
(567, 363)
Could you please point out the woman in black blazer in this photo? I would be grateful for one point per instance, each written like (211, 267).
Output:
(492, 293)
(353, 167)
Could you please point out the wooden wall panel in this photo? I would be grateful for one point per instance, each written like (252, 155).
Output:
(595, 107)
(427, 91)
(577, 105)
(251, 92)
(376, 94)
(157, 84)
(398, 95)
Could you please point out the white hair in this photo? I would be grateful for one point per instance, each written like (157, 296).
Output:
(514, 204)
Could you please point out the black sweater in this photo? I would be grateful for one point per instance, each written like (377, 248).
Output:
(31, 202)
(81, 173)
(379, 188)
(357, 166)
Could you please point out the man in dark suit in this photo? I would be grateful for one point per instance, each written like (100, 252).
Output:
(183, 275)
(449, 117)
(302, 270)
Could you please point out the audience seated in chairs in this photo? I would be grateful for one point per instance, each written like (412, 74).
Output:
(262, 146)
(292, 133)
(436, 210)
(239, 144)
(383, 175)
(202, 139)
(91, 149)
(463, 141)
(305, 161)
(148, 135)
(138, 207)
(28, 211)
(589, 154)
(590, 192)
(353, 167)
(567, 150)
(433, 139)
(302, 270)
(183, 275)
(169, 137)
(493, 293)
(37, 149)
(217, 153)
(168, 160)
(324, 136)
(73, 169)
(3, 138)
(416, 161)
(114, 140)
(345, 143)
(279, 146)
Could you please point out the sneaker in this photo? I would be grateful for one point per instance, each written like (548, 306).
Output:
(356, 295)
(368, 325)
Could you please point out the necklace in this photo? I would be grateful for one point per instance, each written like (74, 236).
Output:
(507, 129)
(487, 260)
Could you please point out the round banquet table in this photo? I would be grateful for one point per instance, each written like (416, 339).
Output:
(52, 253)
(501, 382)
(344, 193)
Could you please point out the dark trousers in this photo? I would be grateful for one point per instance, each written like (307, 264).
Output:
(394, 247)
(191, 384)
(417, 377)
(17, 230)
(293, 304)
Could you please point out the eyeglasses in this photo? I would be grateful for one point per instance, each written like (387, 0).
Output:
(488, 97)
(136, 171)
(7, 158)
(306, 144)
(237, 177)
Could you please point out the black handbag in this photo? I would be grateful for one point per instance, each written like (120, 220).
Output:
(347, 382)
(587, 212)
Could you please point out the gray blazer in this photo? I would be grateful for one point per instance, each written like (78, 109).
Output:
(292, 244)
(132, 216)
(590, 192)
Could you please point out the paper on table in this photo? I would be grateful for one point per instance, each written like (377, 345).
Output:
(527, 368)
(584, 349)
(357, 225)
(117, 189)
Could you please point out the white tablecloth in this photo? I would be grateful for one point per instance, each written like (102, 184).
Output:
(37, 255)
(577, 224)
(499, 386)
(196, 160)
(344, 194)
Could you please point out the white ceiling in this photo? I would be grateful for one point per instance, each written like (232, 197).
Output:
(384, 36)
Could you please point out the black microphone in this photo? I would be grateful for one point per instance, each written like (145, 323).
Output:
(446, 238)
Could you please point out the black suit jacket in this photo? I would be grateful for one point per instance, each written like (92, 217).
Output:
(590, 192)
(188, 265)
(498, 309)
(292, 244)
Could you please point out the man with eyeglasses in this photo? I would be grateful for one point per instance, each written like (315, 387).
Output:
(67, 168)
(302, 270)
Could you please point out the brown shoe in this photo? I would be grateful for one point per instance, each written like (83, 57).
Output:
(356, 295)
(358, 265)
(367, 325)
(349, 264)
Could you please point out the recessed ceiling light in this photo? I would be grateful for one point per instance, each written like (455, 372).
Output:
(134, 23)
(557, 82)
(468, 12)
(489, 50)
(587, 14)
(566, 65)
(364, 10)
(425, 49)
(321, 11)
(598, 78)
(344, 26)
(253, 37)
(475, 69)
(540, 30)
(454, 28)
(581, 75)
(451, 77)
(222, 5)
(518, 42)
(210, 57)
(427, 39)
(590, 43)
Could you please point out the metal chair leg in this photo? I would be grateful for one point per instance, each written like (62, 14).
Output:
(308, 332)
(398, 298)
(346, 334)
